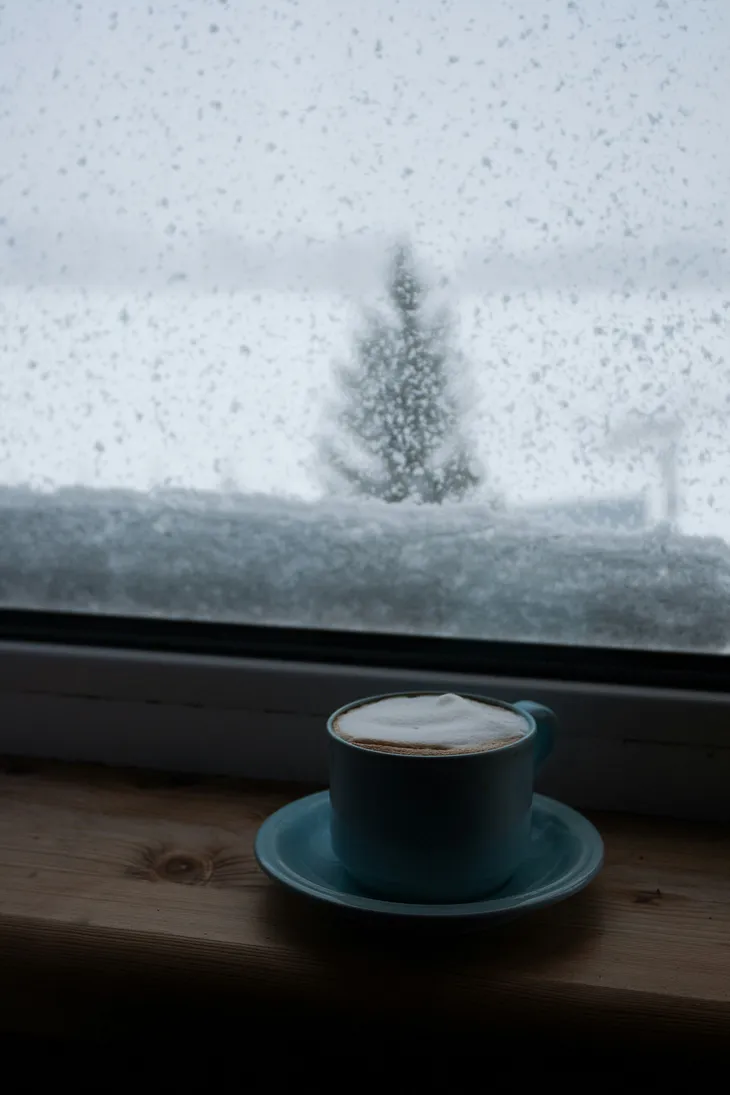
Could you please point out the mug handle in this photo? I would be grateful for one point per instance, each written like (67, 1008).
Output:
(546, 724)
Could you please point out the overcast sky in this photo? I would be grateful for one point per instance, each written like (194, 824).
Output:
(196, 199)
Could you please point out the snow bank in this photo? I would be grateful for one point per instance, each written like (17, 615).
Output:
(452, 570)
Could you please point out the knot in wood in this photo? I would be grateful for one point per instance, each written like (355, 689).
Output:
(186, 868)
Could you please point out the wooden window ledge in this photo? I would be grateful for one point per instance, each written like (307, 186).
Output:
(125, 896)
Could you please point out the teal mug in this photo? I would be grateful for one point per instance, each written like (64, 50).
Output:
(435, 828)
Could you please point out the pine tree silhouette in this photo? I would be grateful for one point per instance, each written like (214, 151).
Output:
(398, 407)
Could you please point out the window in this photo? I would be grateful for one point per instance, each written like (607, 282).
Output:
(410, 322)
(209, 384)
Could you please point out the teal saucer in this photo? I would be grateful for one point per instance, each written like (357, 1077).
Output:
(293, 847)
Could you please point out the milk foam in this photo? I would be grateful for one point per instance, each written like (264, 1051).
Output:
(434, 722)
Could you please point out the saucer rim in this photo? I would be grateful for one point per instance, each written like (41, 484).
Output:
(581, 872)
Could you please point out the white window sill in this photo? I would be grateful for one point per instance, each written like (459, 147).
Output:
(655, 751)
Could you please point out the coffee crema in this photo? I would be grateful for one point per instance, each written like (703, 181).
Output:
(430, 725)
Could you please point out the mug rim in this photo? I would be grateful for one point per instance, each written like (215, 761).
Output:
(532, 725)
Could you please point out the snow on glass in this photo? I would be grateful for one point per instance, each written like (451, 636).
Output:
(438, 298)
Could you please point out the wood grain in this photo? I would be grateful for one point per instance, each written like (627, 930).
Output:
(123, 896)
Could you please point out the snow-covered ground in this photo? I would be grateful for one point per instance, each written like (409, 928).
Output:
(451, 570)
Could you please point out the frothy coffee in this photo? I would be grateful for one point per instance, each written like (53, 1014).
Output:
(430, 725)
